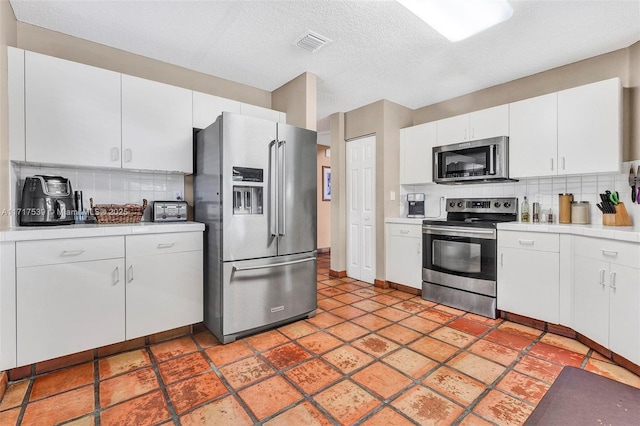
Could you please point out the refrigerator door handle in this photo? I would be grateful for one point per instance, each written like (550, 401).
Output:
(282, 214)
(273, 265)
(273, 196)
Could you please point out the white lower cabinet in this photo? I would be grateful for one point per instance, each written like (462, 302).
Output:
(606, 294)
(529, 274)
(71, 306)
(77, 294)
(404, 254)
(164, 282)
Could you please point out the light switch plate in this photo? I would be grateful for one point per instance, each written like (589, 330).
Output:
(392, 195)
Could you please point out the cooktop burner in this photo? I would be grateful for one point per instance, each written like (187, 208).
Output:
(478, 212)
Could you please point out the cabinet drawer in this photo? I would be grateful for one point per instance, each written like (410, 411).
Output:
(151, 244)
(619, 252)
(68, 250)
(539, 241)
(405, 230)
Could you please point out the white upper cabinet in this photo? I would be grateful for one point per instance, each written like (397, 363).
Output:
(207, 108)
(72, 113)
(416, 145)
(570, 132)
(453, 129)
(157, 132)
(590, 128)
(533, 142)
(489, 123)
(481, 124)
(260, 112)
(16, 111)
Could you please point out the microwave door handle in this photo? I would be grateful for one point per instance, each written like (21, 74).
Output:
(492, 159)
(273, 198)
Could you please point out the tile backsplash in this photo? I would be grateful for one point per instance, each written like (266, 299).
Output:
(544, 190)
(105, 186)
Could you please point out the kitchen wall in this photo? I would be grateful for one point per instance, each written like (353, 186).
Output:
(106, 186)
(544, 190)
(382, 119)
(298, 99)
(324, 207)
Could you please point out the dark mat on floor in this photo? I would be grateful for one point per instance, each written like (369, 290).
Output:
(579, 397)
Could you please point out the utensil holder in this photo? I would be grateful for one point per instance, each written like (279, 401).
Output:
(620, 218)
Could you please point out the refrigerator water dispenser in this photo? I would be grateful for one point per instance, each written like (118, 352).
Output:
(247, 200)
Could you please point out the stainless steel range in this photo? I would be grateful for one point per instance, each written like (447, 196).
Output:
(459, 264)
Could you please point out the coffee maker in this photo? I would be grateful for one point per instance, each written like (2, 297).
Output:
(46, 200)
(415, 201)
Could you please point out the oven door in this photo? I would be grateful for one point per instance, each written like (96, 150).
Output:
(460, 257)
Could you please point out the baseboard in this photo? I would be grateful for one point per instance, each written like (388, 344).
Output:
(571, 333)
(337, 274)
(380, 283)
(405, 288)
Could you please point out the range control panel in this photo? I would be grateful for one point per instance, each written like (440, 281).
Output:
(483, 205)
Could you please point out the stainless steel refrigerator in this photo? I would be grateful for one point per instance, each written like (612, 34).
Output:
(256, 192)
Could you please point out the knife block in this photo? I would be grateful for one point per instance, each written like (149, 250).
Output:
(620, 218)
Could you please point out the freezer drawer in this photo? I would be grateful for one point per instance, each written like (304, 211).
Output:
(257, 293)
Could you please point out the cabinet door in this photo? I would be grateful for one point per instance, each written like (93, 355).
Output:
(529, 283)
(207, 108)
(489, 123)
(157, 131)
(260, 112)
(590, 128)
(533, 140)
(68, 308)
(624, 300)
(15, 95)
(453, 129)
(404, 261)
(163, 292)
(591, 299)
(416, 155)
(72, 113)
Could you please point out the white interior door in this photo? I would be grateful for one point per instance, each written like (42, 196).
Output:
(361, 214)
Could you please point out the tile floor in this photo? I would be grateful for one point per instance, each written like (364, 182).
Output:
(369, 357)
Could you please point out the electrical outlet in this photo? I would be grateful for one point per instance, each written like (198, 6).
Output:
(177, 195)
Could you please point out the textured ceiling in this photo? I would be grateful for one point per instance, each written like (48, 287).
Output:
(379, 50)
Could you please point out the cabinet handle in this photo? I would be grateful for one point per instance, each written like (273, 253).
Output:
(116, 274)
(602, 271)
(404, 231)
(419, 250)
(612, 277)
(115, 154)
(609, 253)
(563, 163)
(127, 155)
(552, 164)
(501, 260)
(72, 252)
(465, 134)
(130, 273)
(526, 242)
(163, 246)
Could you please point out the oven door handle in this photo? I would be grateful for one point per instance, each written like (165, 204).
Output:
(459, 232)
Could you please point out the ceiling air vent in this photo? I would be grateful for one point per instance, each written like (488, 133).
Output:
(312, 41)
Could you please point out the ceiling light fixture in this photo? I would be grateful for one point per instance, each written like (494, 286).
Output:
(459, 19)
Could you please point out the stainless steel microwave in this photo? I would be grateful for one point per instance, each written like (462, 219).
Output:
(479, 161)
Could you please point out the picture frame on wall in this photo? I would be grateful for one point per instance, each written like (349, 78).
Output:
(326, 183)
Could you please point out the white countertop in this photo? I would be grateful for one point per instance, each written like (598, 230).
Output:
(26, 233)
(621, 233)
(404, 220)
